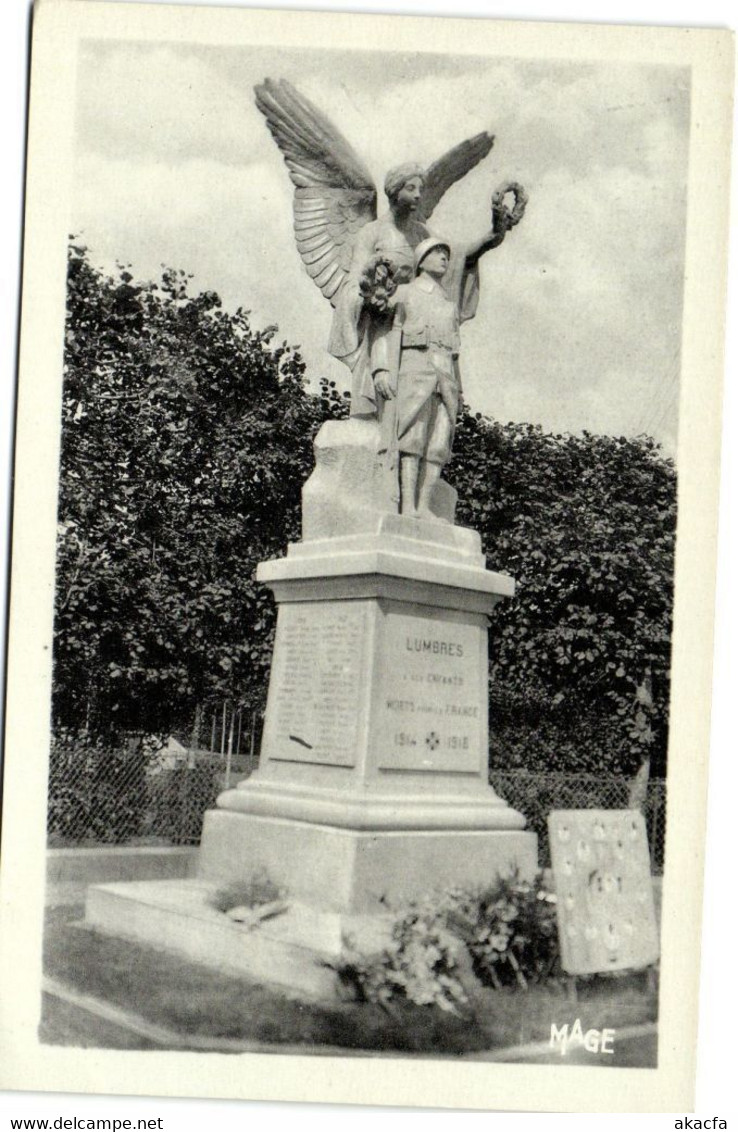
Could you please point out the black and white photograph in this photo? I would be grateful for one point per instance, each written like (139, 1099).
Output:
(362, 578)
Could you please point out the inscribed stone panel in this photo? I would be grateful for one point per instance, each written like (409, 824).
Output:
(602, 876)
(431, 712)
(316, 681)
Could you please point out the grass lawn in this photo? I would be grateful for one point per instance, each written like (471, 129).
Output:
(194, 1000)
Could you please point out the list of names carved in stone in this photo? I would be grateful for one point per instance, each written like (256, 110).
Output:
(316, 680)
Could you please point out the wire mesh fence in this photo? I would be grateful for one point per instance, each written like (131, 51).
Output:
(536, 794)
(138, 794)
(134, 793)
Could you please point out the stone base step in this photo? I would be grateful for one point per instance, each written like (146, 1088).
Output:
(290, 951)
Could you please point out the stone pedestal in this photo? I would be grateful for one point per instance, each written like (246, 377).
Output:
(372, 785)
(372, 788)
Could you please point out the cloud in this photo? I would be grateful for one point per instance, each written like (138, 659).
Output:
(227, 226)
(579, 319)
(159, 103)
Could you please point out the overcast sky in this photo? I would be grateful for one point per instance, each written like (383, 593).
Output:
(579, 322)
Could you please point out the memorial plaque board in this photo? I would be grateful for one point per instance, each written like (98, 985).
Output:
(602, 877)
(430, 714)
(315, 690)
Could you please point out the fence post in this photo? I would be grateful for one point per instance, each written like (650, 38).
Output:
(653, 804)
(229, 759)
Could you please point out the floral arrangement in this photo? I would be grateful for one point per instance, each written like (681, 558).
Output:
(510, 931)
(379, 281)
(503, 935)
(252, 892)
(421, 964)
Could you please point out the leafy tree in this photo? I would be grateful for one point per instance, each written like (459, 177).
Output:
(579, 676)
(186, 437)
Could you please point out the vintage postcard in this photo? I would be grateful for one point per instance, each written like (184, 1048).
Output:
(363, 565)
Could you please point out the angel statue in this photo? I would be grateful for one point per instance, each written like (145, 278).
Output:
(362, 262)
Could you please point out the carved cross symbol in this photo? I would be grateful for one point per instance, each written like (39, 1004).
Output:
(432, 740)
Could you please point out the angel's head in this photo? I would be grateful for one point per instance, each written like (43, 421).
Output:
(404, 186)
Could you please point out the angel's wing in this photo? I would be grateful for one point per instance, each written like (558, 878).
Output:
(334, 194)
(454, 165)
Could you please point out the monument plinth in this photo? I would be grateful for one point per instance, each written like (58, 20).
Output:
(373, 785)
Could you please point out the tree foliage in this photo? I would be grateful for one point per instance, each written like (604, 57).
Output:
(186, 438)
(586, 526)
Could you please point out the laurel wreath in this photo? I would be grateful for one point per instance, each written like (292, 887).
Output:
(514, 215)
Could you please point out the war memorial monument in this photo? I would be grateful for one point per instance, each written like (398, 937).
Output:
(372, 788)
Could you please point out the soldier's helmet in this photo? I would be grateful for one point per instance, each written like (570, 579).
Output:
(428, 245)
